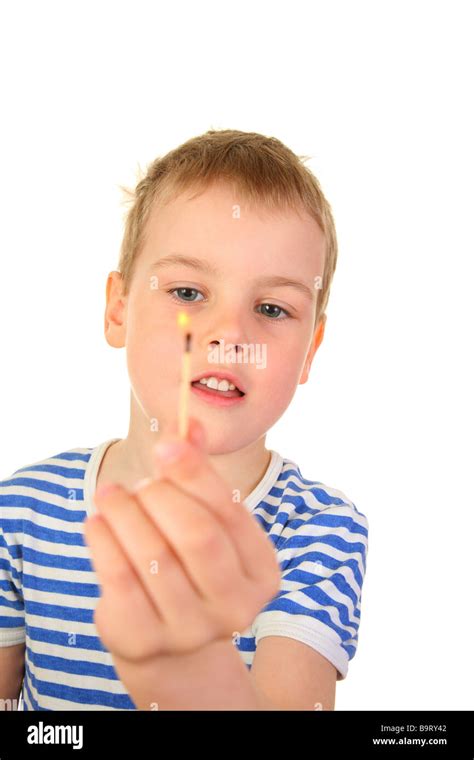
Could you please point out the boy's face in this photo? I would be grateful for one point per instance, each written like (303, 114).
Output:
(277, 341)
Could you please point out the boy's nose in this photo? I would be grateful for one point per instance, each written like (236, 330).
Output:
(237, 346)
(228, 330)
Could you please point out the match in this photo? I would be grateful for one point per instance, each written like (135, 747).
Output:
(183, 322)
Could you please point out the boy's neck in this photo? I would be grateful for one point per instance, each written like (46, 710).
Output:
(127, 462)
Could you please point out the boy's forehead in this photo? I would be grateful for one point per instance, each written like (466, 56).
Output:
(224, 201)
(214, 225)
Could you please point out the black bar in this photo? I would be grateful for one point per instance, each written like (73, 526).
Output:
(153, 734)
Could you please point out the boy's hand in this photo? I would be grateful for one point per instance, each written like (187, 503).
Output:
(180, 564)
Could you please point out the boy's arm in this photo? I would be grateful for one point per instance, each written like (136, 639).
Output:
(12, 668)
(286, 675)
(12, 618)
(212, 678)
(294, 676)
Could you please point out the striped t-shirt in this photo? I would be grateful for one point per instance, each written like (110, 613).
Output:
(49, 590)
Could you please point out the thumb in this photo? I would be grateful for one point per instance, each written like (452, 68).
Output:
(196, 433)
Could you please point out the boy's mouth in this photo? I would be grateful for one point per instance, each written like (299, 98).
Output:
(221, 385)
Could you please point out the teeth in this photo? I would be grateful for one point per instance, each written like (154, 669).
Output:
(218, 385)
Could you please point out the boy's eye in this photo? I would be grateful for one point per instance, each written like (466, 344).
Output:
(183, 294)
(271, 314)
(272, 311)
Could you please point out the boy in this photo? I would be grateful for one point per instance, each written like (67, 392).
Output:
(226, 579)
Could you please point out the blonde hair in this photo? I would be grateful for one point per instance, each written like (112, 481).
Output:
(262, 171)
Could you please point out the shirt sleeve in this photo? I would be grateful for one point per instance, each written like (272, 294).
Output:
(323, 565)
(12, 617)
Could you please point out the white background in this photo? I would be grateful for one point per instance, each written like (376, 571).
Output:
(380, 95)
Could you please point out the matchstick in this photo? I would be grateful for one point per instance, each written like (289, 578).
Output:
(183, 321)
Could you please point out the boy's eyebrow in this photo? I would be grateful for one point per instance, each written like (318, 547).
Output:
(187, 261)
(273, 281)
(278, 281)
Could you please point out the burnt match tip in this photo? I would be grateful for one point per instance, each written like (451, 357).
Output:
(188, 342)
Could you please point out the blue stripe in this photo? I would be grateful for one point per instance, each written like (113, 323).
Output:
(68, 514)
(60, 638)
(334, 521)
(66, 456)
(53, 469)
(337, 542)
(54, 586)
(246, 644)
(11, 622)
(290, 471)
(44, 534)
(13, 605)
(319, 493)
(76, 667)
(58, 561)
(78, 614)
(81, 696)
(70, 456)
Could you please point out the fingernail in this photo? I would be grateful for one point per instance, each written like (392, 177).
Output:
(170, 451)
(141, 483)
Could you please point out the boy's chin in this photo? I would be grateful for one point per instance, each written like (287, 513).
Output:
(220, 440)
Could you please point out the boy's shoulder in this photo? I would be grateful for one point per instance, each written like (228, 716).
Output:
(65, 464)
(296, 506)
(293, 489)
(61, 479)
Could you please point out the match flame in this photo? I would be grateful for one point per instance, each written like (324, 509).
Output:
(183, 319)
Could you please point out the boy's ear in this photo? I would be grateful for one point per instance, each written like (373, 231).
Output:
(114, 317)
(315, 343)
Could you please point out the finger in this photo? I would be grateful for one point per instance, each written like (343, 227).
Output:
(196, 434)
(196, 536)
(193, 474)
(123, 600)
(159, 568)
